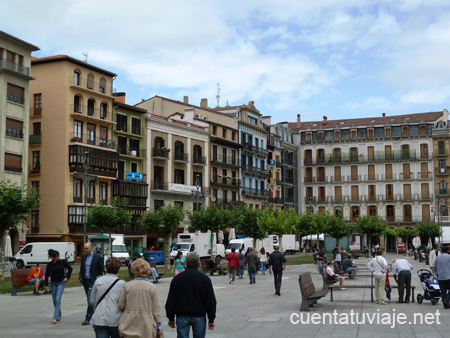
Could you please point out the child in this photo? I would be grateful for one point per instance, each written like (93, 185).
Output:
(387, 286)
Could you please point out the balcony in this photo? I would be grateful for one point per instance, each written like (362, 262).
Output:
(226, 181)
(227, 202)
(90, 85)
(255, 149)
(161, 153)
(353, 178)
(424, 175)
(388, 177)
(441, 153)
(276, 200)
(278, 164)
(89, 112)
(180, 188)
(12, 169)
(181, 157)
(253, 192)
(256, 170)
(228, 160)
(15, 99)
(441, 131)
(92, 141)
(371, 177)
(35, 139)
(35, 168)
(131, 151)
(442, 171)
(101, 162)
(406, 176)
(124, 128)
(378, 156)
(310, 200)
(199, 160)
(14, 67)
(442, 192)
(337, 178)
(14, 133)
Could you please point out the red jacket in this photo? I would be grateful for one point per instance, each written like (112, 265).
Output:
(233, 260)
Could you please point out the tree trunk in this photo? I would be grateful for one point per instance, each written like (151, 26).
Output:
(318, 241)
(2, 255)
(167, 252)
(337, 242)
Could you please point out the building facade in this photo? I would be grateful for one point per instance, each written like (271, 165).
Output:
(71, 133)
(15, 77)
(370, 166)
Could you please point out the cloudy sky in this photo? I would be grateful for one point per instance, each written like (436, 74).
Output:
(342, 59)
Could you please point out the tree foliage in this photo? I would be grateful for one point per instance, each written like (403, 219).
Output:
(108, 216)
(337, 227)
(248, 222)
(373, 226)
(211, 218)
(427, 230)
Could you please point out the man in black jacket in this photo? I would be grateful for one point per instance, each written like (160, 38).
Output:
(277, 263)
(92, 266)
(191, 298)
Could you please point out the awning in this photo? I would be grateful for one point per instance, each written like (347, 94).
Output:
(44, 236)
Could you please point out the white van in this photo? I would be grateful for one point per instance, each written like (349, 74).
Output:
(34, 253)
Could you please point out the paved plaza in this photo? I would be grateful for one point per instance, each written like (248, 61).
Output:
(245, 310)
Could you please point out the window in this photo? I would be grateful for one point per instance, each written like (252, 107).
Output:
(91, 192)
(372, 210)
(179, 176)
(76, 104)
(423, 130)
(37, 104)
(405, 131)
(15, 94)
(136, 126)
(233, 136)
(159, 142)
(103, 136)
(337, 134)
(14, 128)
(390, 213)
(121, 121)
(90, 81)
(372, 192)
(197, 178)
(233, 196)
(214, 130)
(76, 77)
(180, 203)
(36, 185)
(36, 167)
(134, 167)
(233, 157)
(355, 213)
(34, 224)
(198, 154)
(405, 151)
(77, 130)
(91, 133)
(102, 86)
(389, 192)
(90, 107)
(354, 134)
(338, 211)
(441, 148)
(37, 128)
(157, 204)
(77, 190)
(407, 212)
(224, 133)
(370, 133)
(103, 192)
(442, 187)
(134, 147)
(103, 110)
(387, 132)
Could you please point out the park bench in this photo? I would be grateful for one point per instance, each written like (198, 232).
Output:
(309, 294)
(333, 287)
(153, 265)
(19, 279)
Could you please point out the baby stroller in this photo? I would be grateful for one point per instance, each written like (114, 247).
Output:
(431, 289)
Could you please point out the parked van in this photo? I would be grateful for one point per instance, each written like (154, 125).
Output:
(119, 250)
(34, 253)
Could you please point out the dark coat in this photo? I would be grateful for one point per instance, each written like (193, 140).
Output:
(276, 261)
(97, 267)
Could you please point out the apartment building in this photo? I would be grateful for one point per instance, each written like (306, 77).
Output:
(129, 137)
(369, 166)
(253, 138)
(71, 132)
(15, 77)
(282, 166)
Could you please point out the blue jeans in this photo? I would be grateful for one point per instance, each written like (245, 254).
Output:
(252, 274)
(154, 274)
(57, 291)
(33, 281)
(88, 285)
(184, 324)
(263, 267)
(106, 331)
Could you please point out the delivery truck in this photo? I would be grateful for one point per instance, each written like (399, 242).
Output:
(34, 253)
(198, 242)
(290, 245)
(244, 243)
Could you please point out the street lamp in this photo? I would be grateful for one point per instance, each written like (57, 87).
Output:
(439, 217)
(198, 191)
(86, 178)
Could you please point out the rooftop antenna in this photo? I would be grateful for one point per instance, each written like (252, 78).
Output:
(86, 55)
(218, 95)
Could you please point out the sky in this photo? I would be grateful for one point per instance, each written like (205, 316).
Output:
(340, 59)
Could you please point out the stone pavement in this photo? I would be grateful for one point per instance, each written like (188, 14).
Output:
(244, 310)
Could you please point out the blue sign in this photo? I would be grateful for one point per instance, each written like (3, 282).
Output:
(272, 161)
(134, 176)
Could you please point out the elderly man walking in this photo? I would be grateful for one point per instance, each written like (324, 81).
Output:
(442, 268)
(401, 270)
(378, 266)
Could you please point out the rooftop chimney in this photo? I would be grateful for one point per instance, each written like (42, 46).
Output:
(324, 118)
(384, 114)
(299, 122)
(204, 103)
(186, 99)
(119, 97)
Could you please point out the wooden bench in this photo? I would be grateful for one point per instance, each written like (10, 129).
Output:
(206, 265)
(309, 294)
(153, 265)
(332, 287)
(19, 279)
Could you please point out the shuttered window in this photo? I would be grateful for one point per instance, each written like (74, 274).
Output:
(13, 162)
(15, 94)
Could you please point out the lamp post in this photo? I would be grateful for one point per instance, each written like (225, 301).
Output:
(198, 191)
(439, 217)
(86, 178)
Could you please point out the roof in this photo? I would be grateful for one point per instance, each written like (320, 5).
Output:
(22, 42)
(57, 58)
(368, 121)
(132, 108)
(186, 123)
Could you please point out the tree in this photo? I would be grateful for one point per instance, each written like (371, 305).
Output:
(163, 222)
(15, 206)
(337, 227)
(248, 222)
(406, 234)
(371, 226)
(427, 230)
(304, 225)
(320, 224)
(108, 217)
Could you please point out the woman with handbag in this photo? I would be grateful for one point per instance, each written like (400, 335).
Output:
(104, 298)
(60, 271)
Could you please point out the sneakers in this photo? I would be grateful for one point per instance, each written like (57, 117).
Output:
(86, 322)
(230, 281)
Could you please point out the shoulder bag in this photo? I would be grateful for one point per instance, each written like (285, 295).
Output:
(106, 292)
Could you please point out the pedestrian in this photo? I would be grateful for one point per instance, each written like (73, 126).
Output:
(373, 251)
(433, 254)
(377, 246)
(92, 266)
(336, 249)
(442, 268)
(60, 271)
(262, 260)
(378, 266)
(401, 269)
(334, 276)
(179, 263)
(140, 304)
(191, 299)
(277, 263)
(387, 286)
(251, 261)
(214, 264)
(104, 298)
(366, 251)
(240, 269)
(338, 258)
(36, 278)
(233, 264)
(349, 267)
